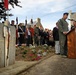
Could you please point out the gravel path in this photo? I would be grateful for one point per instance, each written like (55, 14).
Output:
(55, 65)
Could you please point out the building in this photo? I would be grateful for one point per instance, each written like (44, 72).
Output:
(37, 23)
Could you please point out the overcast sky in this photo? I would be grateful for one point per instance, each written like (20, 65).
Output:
(48, 10)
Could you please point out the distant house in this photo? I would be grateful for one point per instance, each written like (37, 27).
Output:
(37, 23)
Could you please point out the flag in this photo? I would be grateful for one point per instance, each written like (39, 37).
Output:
(6, 4)
(16, 22)
(26, 21)
(31, 21)
(17, 35)
(25, 24)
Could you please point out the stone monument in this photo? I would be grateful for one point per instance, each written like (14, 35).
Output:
(7, 44)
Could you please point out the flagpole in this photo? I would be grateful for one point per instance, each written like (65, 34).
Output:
(8, 36)
(25, 22)
(17, 22)
(17, 26)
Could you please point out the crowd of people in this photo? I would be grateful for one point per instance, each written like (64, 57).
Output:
(34, 35)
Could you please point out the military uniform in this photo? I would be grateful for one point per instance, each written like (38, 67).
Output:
(63, 27)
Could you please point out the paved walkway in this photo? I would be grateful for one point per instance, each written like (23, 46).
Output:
(18, 67)
(21, 66)
(55, 65)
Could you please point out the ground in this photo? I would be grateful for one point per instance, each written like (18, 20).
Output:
(55, 65)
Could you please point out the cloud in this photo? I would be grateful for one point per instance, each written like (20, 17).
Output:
(39, 8)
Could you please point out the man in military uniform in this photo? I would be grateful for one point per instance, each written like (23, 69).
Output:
(63, 30)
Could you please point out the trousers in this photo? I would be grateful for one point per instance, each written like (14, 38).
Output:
(57, 47)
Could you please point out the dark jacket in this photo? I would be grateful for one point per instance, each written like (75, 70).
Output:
(55, 34)
(46, 35)
(41, 33)
(72, 27)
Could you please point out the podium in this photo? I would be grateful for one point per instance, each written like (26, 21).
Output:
(71, 43)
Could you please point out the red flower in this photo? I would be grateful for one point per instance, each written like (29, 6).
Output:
(38, 58)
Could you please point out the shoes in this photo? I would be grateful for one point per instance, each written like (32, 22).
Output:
(64, 56)
(57, 53)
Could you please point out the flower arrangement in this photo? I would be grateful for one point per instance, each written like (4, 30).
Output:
(33, 53)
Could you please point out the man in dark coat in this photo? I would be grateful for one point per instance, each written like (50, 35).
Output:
(21, 34)
(46, 36)
(56, 39)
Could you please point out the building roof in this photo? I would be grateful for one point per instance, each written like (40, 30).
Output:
(34, 23)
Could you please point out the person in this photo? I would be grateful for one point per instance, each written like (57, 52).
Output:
(56, 39)
(21, 34)
(74, 24)
(36, 35)
(63, 30)
(32, 34)
(46, 36)
(12, 23)
(28, 36)
(41, 35)
(51, 40)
